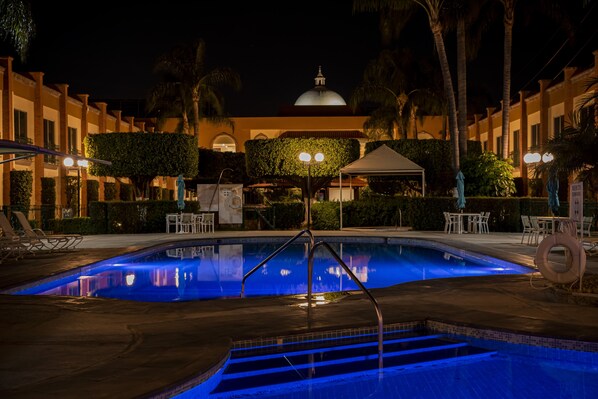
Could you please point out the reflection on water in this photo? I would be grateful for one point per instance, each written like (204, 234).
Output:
(216, 271)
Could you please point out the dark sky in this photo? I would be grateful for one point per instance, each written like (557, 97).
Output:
(108, 49)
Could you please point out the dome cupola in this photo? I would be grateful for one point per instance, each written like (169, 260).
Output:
(320, 95)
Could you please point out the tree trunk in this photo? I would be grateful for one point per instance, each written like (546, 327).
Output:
(462, 87)
(195, 113)
(506, 83)
(450, 95)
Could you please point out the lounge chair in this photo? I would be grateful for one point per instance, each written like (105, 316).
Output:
(590, 245)
(11, 248)
(28, 244)
(52, 242)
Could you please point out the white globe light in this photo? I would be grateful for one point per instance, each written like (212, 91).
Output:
(536, 157)
(68, 162)
(319, 157)
(547, 157)
(83, 162)
(305, 157)
(527, 158)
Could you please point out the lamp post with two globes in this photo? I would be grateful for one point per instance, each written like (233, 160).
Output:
(306, 158)
(81, 163)
(534, 158)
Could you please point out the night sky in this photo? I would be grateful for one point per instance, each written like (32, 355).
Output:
(108, 49)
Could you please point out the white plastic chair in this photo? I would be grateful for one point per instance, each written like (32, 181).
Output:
(583, 227)
(483, 222)
(172, 219)
(538, 229)
(527, 228)
(207, 223)
(187, 223)
(451, 223)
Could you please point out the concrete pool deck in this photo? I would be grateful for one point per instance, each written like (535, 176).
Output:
(59, 347)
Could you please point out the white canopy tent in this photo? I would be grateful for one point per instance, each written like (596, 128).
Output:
(383, 161)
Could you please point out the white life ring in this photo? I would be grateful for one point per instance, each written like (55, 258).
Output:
(575, 258)
(235, 202)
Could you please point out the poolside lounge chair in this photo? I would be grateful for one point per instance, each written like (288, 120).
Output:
(11, 248)
(590, 245)
(28, 244)
(52, 242)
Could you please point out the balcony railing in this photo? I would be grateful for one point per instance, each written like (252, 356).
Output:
(23, 140)
(51, 159)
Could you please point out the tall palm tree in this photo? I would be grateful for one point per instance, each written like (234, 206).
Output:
(169, 99)
(508, 21)
(469, 19)
(16, 25)
(558, 10)
(433, 10)
(394, 84)
(186, 66)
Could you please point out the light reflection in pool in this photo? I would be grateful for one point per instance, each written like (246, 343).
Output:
(216, 271)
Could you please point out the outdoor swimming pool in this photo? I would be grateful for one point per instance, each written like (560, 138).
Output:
(196, 270)
(424, 364)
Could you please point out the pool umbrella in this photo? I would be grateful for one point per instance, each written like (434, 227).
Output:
(552, 186)
(460, 191)
(180, 185)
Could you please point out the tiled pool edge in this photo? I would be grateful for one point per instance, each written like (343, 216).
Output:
(431, 326)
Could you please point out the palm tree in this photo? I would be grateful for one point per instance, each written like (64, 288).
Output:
(508, 21)
(557, 10)
(168, 99)
(466, 17)
(391, 83)
(574, 149)
(433, 9)
(186, 67)
(16, 25)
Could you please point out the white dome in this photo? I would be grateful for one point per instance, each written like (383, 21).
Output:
(320, 95)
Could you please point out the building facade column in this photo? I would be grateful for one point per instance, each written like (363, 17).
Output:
(63, 143)
(490, 145)
(544, 105)
(7, 123)
(523, 141)
(84, 130)
(569, 94)
(476, 124)
(38, 140)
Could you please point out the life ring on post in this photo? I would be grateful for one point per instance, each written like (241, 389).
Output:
(575, 263)
(235, 202)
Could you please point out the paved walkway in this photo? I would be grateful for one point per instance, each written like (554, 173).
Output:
(58, 347)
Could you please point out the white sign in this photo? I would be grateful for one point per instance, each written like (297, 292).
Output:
(576, 201)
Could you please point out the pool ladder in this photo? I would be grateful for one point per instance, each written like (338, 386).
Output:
(310, 267)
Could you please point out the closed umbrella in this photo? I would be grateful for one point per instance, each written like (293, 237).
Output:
(460, 191)
(180, 185)
(552, 186)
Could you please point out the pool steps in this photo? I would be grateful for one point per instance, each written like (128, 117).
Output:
(251, 370)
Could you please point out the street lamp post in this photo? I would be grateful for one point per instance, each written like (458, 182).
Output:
(307, 160)
(81, 163)
(534, 158)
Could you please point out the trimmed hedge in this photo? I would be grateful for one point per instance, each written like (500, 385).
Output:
(134, 217)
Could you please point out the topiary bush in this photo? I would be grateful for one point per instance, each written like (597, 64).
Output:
(21, 187)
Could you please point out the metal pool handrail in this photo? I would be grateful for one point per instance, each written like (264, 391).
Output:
(310, 267)
(273, 254)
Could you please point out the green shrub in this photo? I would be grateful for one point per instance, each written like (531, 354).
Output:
(21, 187)
(134, 217)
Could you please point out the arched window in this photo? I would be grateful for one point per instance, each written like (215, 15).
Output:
(224, 143)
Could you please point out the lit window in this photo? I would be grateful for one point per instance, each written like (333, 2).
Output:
(224, 143)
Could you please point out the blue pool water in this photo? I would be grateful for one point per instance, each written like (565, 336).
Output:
(186, 272)
(426, 366)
